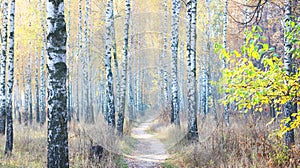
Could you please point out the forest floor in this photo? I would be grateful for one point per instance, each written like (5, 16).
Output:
(149, 152)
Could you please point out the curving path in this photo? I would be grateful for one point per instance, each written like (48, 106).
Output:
(149, 152)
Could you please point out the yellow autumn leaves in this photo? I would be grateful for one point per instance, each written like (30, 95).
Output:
(256, 77)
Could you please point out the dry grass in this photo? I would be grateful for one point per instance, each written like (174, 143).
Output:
(30, 144)
(240, 145)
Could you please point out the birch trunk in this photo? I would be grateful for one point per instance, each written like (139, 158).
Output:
(85, 66)
(191, 59)
(116, 64)
(30, 101)
(78, 58)
(131, 100)
(226, 107)
(58, 150)
(37, 91)
(10, 82)
(174, 48)
(287, 61)
(3, 69)
(182, 82)
(26, 102)
(124, 70)
(164, 57)
(43, 69)
(109, 75)
(138, 80)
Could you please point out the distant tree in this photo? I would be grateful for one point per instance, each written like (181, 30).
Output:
(109, 75)
(117, 79)
(79, 52)
(138, 85)
(226, 107)
(164, 72)
(28, 116)
(121, 113)
(3, 68)
(27, 90)
(17, 101)
(191, 63)
(58, 151)
(10, 82)
(42, 99)
(287, 62)
(37, 91)
(88, 113)
(182, 79)
(131, 109)
(174, 47)
(250, 85)
(30, 95)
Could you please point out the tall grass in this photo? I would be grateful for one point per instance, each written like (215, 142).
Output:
(30, 146)
(243, 144)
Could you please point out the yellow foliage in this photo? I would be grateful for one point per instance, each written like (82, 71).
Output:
(251, 86)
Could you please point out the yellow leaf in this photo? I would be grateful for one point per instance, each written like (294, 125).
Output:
(237, 54)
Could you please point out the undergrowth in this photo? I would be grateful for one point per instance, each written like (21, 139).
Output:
(242, 144)
(30, 146)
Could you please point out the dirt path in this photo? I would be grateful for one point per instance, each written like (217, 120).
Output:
(149, 152)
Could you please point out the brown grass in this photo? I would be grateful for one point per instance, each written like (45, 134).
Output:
(241, 144)
(30, 146)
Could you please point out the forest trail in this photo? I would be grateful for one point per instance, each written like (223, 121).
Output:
(149, 152)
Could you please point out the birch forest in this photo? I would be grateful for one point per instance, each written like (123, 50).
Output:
(149, 83)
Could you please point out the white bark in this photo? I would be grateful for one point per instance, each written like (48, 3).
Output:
(10, 82)
(287, 63)
(174, 48)
(226, 107)
(79, 52)
(182, 81)
(124, 70)
(164, 57)
(57, 154)
(191, 59)
(42, 102)
(109, 75)
(85, 66)
(3, 68)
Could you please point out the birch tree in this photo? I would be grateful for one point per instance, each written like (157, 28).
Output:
(10, 82)
(37, 91)
(26, 101)
(174, 48)
(182, 82)
(30, 98)
(226, 107)
(138, 78)
(287, 61)
(42, 102)
(121, 114)
(3, 68)
(164, 55)
(79, 40)
(85, 66)
(131, 109)
(116, 64)
(191, 63)
(58, 150)
(109, 75)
